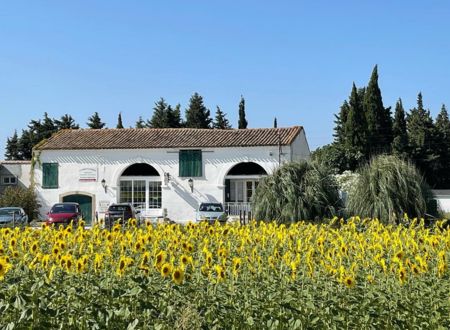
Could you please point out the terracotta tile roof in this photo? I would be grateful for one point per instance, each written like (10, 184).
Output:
(149, 138)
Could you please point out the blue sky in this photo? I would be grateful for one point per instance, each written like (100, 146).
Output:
(295, 60)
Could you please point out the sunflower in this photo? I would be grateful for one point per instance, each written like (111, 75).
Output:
(166, 269)
(34, 247)
(55, 251)
(402, 275)
(220, 272)
(178, 276)
(349, 281)
(160, 258)
(4, 267)
(122, 266)
(184, 260)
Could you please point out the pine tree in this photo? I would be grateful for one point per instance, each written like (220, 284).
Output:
(174, 116)
(340, 120)
(197, 116)
(379, 122)
(420, 130)
(119, 121)
(400, 141)
(26, 143)
(442, 145)
(242, 121)
(95, 121)
(66, 122)
(355, 125)
(221, 122)
(275, 124)
(159, 118)
(12, 148)
(140, 123)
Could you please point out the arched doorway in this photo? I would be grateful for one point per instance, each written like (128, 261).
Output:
(140, 185)
(241, 182)
(85, 202)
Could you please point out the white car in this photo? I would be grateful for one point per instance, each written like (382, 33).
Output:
(211, 212)
(12, 216)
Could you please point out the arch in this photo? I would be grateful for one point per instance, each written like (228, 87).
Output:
(247, 168)
(140, 169)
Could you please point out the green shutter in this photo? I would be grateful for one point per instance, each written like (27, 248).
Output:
(190, 163)
(50, 175)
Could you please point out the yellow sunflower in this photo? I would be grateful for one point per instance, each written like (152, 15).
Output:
(349, 281)
(166, 269)
(178, 276)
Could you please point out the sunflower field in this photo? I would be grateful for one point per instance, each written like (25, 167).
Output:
(357, 273)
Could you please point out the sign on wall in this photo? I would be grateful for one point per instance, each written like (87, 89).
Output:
(88, 175)
(103, 206)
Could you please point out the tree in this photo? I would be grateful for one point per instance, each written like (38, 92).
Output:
(95, 121)
(119, 121)
(25, 197)
(296, 191)
(387, 188)
(12, 148)
(242, 121)
(442, 145)
(338, 157)
(174, 116)
(340, 120)
(26, 143)
(420, 128)
(197, 116)
(140, 123)
(221, 122)
(400, 141)
(159, 118)
(355, 125)
(275, 124)
(66, 122)
(378, 119)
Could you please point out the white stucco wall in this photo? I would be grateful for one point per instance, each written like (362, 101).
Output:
(300, 148)
(443, 199)
(176, 195)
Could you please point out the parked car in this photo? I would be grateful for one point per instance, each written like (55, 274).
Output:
(117, 213)
(64, 214)
(211, 212)
(10, 216)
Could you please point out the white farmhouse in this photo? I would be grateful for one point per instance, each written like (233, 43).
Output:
(162, 172)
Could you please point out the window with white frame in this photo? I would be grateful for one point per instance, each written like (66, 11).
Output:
(142, 194)
(9, 180)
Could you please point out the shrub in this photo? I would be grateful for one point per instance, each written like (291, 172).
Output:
(21, 197)
(297, 191)
(388, 188)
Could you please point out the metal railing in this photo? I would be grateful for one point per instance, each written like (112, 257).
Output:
(238, 208)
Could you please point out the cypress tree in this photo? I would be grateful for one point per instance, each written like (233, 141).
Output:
(442, 146)
(12, 148)
(275, 124)
(242, 121)
(119, 121)
(355, 125)
(400, 141)
(159, 118)
(95, 121)
(66, 122)
(140, 123)
(221, 122)
(197, 116)
(379, 122)
(26, 143)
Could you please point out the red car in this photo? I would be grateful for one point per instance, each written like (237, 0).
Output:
(63, 214)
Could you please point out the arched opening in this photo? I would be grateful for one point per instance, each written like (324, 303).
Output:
(241, 182)
(140, 185)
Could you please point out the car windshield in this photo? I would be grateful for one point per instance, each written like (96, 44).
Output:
(211, 207)
(4, 212)
(120, 208)
(64, 208)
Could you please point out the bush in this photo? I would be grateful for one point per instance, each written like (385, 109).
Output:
(21, 197)
(297, 191)
(388, 188)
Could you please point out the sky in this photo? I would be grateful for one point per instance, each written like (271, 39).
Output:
(293, 60)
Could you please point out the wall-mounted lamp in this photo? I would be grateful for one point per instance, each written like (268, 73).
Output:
(191, 184)
(104, 185)
(166, 178)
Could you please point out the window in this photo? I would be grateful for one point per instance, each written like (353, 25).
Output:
(190, 163)
(135, 192)
(9, 180)
(50, 175)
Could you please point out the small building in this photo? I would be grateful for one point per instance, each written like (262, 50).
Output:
(442, 197)
(14, 173)
(162, 172)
